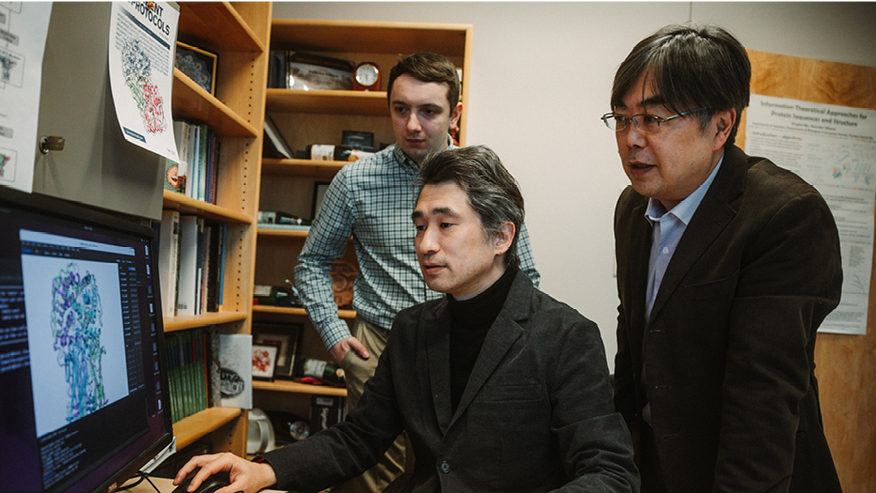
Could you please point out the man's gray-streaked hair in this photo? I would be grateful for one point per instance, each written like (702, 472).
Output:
(492, 192)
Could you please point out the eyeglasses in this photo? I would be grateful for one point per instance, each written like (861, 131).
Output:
(644, 122)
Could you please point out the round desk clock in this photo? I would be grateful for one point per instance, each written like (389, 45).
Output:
(366, 77)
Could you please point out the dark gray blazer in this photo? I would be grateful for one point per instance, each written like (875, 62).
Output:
(536, 414)
(730, 344)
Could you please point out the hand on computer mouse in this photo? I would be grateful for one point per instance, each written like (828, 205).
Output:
(209, 485)
(242, 475)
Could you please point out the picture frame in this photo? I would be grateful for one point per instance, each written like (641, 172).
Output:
(309, 72)
(319, 190)
(264, 361)
(285, 337)
(197, 64)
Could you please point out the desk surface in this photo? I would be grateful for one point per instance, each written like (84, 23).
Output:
(165, 485)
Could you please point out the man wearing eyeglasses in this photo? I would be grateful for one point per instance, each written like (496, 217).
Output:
(726, 266)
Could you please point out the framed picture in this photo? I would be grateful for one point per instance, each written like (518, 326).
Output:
(264, 361)
(199, 65)
(283, 336)
(319, 189)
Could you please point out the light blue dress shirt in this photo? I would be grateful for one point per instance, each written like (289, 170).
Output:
(669, 227)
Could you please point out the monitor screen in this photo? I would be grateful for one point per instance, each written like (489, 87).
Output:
(82, 372)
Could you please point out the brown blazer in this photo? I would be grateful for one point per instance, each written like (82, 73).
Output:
(730, 343)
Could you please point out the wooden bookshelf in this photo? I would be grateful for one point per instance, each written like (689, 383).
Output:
(192, 428)
(320, 117)
(238, 32)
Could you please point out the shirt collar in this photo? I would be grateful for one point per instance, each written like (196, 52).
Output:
(406, 160)
(685, 209)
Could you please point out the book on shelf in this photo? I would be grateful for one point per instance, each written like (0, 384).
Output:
(235, 370)
(201, 265)
(212, 177)
(214, 378)
(277, 69)
(198, 149)
(224, 248)
(180, 136)
(168, 260)
(215, 233)
(188, 265)
(189, 356)
(275, 144)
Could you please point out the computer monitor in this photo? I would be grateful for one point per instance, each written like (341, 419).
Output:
(83, 378)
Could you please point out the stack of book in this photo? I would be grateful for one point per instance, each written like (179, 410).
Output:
(191, 263)
(196, 173)
(192, 359)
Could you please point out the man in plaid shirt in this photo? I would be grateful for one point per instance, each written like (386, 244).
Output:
(371, 200)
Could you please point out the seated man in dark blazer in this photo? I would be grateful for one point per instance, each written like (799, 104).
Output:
(726, 266)
(499, 386)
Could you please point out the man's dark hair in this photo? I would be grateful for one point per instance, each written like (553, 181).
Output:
(491, 190)
(690, 67)
(427, 67)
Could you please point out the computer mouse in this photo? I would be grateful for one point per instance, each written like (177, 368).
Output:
(210, 485)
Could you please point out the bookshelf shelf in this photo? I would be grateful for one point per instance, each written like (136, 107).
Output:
(298, 312)
(218, 25)
(320, 117)
(187, 205)
(369, 36)
(191, 101)
(192, 428)
(282, 233)
(238, 32)
(302, 167)
(185, 322)
(298, 388)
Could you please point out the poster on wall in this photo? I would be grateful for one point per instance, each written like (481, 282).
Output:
(142, 39)
(834, 149)
(24, 27)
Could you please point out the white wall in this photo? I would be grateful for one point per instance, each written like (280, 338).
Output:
(540, 78)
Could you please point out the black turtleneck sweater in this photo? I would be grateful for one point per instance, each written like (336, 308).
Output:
(470, 321)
